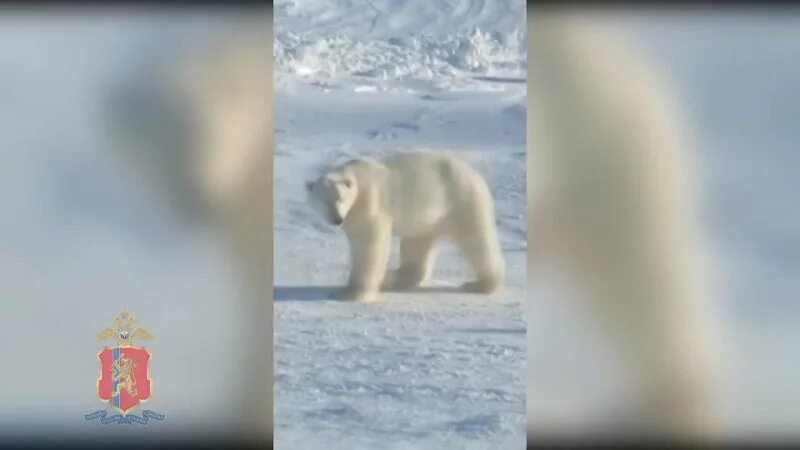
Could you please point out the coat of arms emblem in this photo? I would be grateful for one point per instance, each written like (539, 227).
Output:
(124, 379)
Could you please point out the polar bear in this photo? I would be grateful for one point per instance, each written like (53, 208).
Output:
(610, 200)
(419, 196)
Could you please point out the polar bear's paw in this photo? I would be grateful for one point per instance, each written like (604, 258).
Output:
(481, 286)
(403, 279)
(357, 294)
(390, 281)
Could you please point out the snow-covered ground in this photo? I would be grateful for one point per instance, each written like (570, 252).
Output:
(432, 369)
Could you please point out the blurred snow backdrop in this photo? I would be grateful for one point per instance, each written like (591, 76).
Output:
(736, 75)
(83, 236)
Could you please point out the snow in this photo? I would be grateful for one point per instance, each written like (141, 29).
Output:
(430, 369)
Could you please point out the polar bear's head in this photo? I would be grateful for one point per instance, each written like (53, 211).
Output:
(332, 196)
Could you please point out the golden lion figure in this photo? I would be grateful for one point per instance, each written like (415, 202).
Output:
(124, 376)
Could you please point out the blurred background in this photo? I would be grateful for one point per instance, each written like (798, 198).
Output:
(735, 75)
(108, 205)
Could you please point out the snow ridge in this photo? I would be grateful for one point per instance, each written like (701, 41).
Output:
(422, 57)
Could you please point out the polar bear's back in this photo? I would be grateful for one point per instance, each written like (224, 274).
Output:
(434, 184)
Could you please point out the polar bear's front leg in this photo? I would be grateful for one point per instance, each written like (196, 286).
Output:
(369, 254)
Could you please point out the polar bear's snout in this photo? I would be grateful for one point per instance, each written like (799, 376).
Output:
(330, 198)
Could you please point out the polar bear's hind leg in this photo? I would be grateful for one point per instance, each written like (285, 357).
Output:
(476, 236)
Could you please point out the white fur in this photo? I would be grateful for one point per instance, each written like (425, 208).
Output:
(420, 197)
(609, 199)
